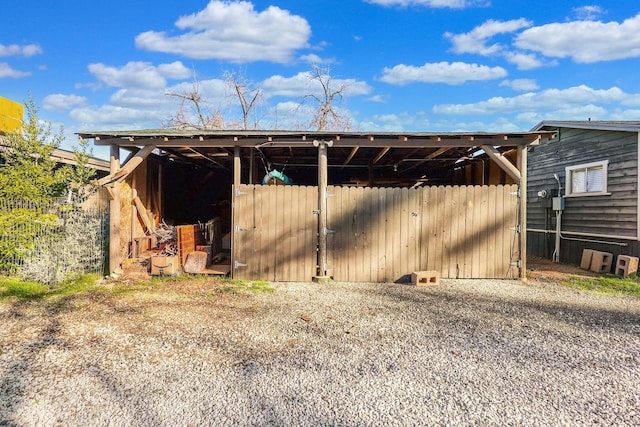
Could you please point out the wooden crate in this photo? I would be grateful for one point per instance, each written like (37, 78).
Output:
(189, 236)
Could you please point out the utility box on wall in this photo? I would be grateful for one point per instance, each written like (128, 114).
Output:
(557, 203)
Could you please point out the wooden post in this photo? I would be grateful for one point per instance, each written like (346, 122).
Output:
(252, 160)
(522, 165)
(237, 167)
(322, 211)
(237, 175)
(115, 253)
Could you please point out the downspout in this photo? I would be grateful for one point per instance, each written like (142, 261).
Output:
(556, 253)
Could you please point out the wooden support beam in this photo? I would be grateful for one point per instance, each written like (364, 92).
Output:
(206, 156)
(430, 156)
(353, 152)
(142, 212)
(381, 154)
(237, 167)
(438, 152)
(128, 167)
(522, 221)
(323, 171)
(115, 254)
(504, 163)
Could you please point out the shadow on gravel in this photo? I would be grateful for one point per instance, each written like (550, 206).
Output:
(449, 304)
(13, 385)
(132, 402)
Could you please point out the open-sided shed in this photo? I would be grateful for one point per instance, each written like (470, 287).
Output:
(354, 206)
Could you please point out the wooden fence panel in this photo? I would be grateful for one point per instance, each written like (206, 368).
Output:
(462, 232)
(376, 234)
(274, 233)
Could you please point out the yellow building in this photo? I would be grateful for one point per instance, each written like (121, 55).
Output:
(11, 114)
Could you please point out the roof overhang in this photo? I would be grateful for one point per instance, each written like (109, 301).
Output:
(622, 126)
(231, 138)
(406, 156)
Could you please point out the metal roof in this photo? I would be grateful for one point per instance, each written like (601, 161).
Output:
(624, 126)
(253, 138)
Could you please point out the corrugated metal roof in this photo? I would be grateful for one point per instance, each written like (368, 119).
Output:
(624, 126)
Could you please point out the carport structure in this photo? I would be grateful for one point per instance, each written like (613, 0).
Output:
(358, 206)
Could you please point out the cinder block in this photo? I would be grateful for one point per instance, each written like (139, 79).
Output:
(587, 254)
(196, 262)
(601, 262)
(425, 278)
(626, 265)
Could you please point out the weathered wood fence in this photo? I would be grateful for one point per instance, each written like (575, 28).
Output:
(376, 234)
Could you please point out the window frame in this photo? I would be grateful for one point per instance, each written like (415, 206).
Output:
(570, 170)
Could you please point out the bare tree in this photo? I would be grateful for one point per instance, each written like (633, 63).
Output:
(247, 97)
(327, 114)
(193, 113)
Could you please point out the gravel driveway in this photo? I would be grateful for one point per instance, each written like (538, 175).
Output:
(461, 353)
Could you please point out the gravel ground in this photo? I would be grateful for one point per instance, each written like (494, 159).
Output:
(461, 353)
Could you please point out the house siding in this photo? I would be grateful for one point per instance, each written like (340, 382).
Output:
(615, 214)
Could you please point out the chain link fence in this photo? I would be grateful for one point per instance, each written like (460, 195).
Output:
(53, 242)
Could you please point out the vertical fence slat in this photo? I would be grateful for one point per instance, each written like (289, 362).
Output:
(256, 231)
(380, 236)
(311, 202)
(474, 235)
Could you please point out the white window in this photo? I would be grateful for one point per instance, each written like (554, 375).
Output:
(587, 179)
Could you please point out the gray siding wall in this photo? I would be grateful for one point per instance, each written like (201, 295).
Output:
(615, 214)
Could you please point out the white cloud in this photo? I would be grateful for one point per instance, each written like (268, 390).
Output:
(442, 72)
(584, 41)
(213, 90)
(475, 41)
(302, 84)
(7, 71)
(571, 98)
(452, 4)
(397, 122)
(383, 99)
(233, 31)
(138, 74)
(289, 115)
(526, 61)
(176, 71)
(17, 50)
(115, 117)
(625, 115)
(588, 13)
(61, 102)
(521, 84)
(315, 59)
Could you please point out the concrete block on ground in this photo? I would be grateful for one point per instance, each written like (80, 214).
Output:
(425, 278)
(626, 265)
(585, 263)
(196, 262)
(601, 262)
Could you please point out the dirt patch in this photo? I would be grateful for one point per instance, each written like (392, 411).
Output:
(542, 269)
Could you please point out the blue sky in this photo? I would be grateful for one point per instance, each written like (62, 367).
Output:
(413, 65)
